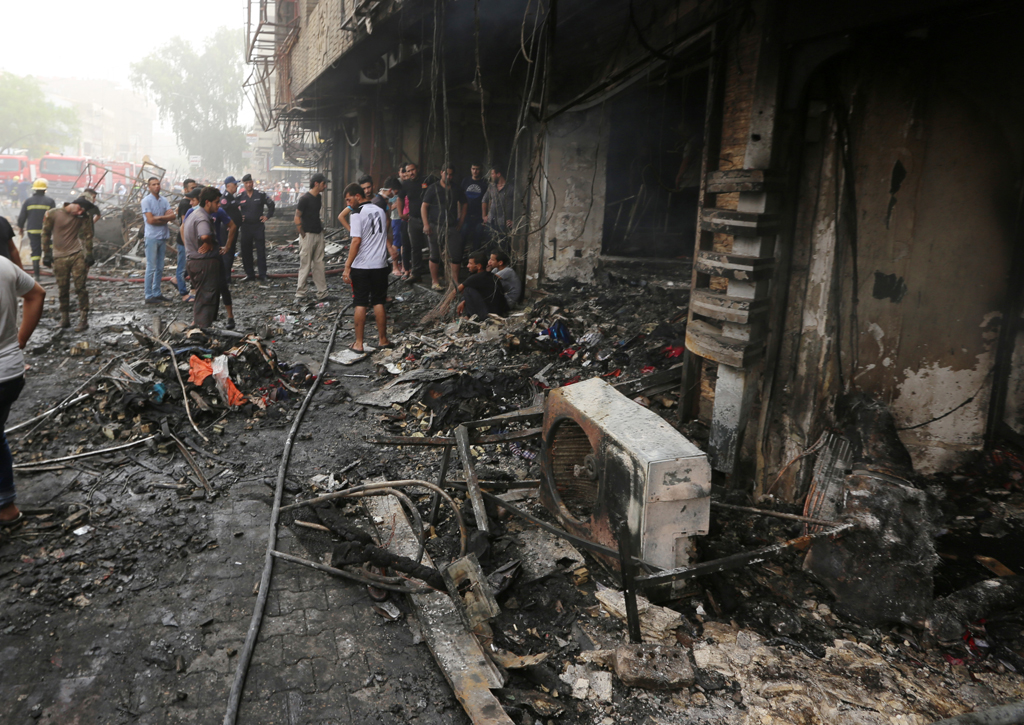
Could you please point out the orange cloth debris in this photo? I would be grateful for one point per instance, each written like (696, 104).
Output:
(235, 396)
(199, 370)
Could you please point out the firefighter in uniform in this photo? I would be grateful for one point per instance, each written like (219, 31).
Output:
(251, 203)
(31, 220)
(70, 255)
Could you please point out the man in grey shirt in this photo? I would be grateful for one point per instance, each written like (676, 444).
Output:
(497, 208)
(14, 283)
(203, 257)
(501, 267)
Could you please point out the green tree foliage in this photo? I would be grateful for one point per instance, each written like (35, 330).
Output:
(28, 120)
(201, 93)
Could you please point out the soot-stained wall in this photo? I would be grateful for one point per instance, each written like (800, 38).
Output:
(933, 163)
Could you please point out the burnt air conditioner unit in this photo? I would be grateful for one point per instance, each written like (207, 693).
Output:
(607, 459)
(375, 72)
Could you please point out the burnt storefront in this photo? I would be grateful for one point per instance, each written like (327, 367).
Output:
(836, 188)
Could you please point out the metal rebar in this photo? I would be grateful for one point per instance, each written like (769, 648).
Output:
(775, 514)
(629, 583)
(100, 452)
(735, 561)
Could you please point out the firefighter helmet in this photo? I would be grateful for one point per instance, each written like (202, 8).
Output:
(40, 183)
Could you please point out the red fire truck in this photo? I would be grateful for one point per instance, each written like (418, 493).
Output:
(64, 174)
(13, 165)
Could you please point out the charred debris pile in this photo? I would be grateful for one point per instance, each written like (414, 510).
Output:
(885, 595)
(149, 422)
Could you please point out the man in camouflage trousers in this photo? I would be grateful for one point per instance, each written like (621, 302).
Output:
(67, 247)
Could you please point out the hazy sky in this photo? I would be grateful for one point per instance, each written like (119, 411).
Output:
(100, 39)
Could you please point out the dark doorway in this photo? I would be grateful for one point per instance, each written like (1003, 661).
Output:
(655, 146)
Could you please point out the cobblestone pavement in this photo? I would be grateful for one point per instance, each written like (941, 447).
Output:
(164, 649)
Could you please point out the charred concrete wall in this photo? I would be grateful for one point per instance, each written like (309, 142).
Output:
(567, 204)
(904, 238)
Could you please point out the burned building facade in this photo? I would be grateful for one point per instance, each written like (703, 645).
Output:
(838, 185)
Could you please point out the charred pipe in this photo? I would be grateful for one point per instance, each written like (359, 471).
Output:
(352, 553)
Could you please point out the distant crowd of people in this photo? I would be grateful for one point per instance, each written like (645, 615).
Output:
(406, 228)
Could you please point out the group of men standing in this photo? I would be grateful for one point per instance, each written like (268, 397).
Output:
(209, 223)
(459, 218)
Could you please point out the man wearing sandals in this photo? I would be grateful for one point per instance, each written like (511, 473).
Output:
(14, 283)
(368, 264)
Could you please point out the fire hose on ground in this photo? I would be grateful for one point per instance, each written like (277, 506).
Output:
(385, 488)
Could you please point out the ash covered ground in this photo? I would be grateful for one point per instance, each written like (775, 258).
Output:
(127, 593)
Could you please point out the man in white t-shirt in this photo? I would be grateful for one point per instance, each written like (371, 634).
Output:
(369, 262)
(14, 283)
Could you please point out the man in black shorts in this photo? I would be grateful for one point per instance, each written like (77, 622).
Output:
(482, 293)
(443, 212)
(369, 262)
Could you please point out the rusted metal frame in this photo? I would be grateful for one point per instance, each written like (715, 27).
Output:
(435, 499)
(439, 441)
(734, 561)
(628, 573)
(535, 411)
(1012, 306)
(775, 514)
(573, 539)
(189, 460)
(472, 482)
(689, 387)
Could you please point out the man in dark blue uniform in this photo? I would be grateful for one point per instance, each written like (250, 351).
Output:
(229, 203)
(251, 204)
(24, 189)
(31, 219)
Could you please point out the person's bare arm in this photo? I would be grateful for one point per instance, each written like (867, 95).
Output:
(463, 208)
(390, 243)
(232, 233)
(206, 243)
(298, 221)
(484, 206)
(353, 250)
(423, 215)
(343, 218)
(15, 253)
(31, 313)
(159, 220)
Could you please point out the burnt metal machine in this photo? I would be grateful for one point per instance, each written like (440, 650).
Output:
(607, 461)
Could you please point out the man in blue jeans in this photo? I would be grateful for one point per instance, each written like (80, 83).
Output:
(189, 200)
(14, 283)
(157, 212)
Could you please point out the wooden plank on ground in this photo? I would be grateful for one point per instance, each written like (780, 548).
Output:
(470, 673)
(472, 482)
